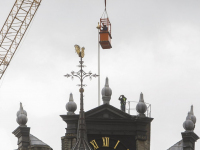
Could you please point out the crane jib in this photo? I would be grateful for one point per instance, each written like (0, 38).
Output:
(14, 29)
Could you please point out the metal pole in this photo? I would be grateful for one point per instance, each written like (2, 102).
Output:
(98, 70)
(81, 91)
(98, 27)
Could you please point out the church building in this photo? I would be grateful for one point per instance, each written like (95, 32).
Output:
(107, 128)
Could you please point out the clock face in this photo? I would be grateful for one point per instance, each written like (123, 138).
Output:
(107, 143)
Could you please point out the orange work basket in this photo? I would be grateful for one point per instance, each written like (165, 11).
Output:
(105, 33)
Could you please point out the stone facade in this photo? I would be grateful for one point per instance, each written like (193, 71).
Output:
(68, 142)
(133, 132)
(144, 144)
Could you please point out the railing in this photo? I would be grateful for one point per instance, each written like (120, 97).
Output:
(131, 108)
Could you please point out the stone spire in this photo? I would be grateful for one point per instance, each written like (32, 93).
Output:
(82, 142)
(71, 105)
(141, 106)
(22, 116)
(106, 93)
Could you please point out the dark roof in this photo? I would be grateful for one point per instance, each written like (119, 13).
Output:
(34, 141)
(177, 146)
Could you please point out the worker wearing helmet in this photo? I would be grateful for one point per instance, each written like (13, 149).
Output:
(104, 28)
(123, 99)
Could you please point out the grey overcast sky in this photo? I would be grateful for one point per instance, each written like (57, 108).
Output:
(156, 50)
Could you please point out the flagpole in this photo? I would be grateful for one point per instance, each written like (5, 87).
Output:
(98, 27)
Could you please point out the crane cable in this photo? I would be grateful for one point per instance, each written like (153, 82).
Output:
(105, 14)
(105, 5)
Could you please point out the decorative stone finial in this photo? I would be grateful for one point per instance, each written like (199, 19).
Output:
(193, 118)
(71, 105)
(106, 93)
(188, 125)
(141, 106)
(22, 116)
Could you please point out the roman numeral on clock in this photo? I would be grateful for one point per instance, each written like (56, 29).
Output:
(94, 143)
(105, 141)
(116, 144)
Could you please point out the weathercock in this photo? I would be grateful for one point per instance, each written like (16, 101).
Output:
(79, 51)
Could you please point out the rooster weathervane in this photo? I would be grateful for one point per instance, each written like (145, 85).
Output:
(79, 51)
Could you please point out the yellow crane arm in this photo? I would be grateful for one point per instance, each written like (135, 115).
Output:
(14, 29)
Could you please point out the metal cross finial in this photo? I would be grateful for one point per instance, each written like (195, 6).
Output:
(81, 74)
(82, 142)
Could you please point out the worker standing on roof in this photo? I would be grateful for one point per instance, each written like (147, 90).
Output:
(123, 99)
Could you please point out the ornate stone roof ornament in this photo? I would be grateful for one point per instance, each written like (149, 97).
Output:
(193, 118)
(188, 125)
(71, 105)
(189, 137)
(141, 106)
(106, 93)
(22, 116)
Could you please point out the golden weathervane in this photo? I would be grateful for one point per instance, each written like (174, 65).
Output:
(79, 51)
